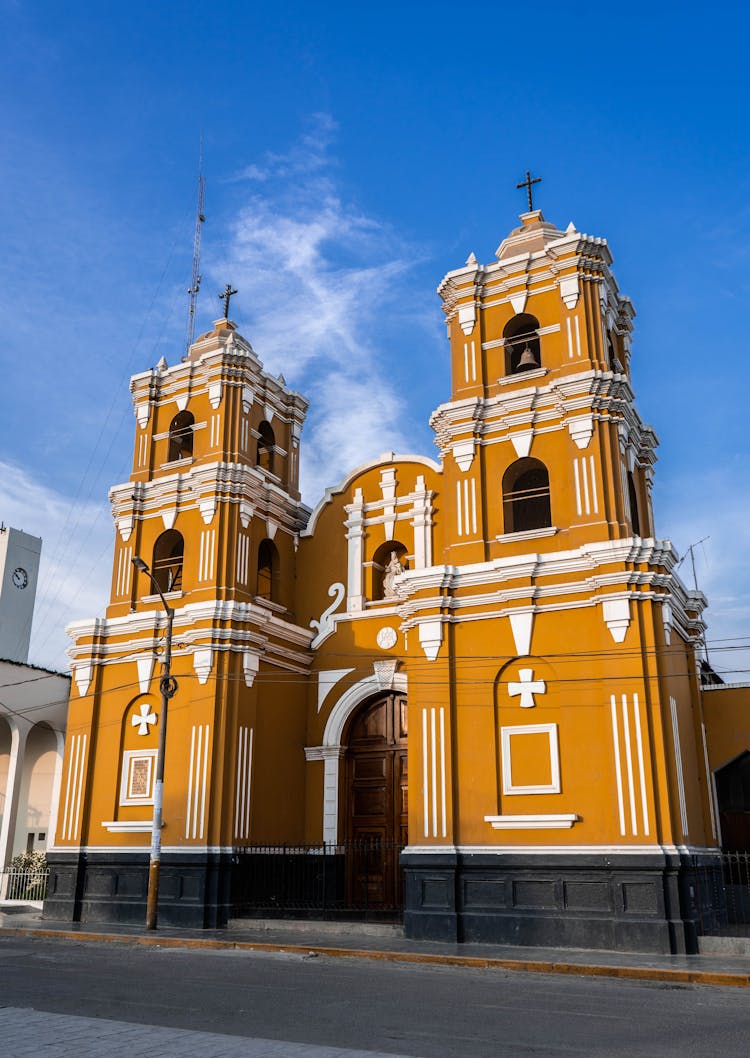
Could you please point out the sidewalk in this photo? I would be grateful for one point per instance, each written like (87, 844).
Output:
(369, 941)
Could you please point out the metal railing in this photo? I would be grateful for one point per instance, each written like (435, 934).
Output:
(723, 892)
(23, 885)
(324, 880)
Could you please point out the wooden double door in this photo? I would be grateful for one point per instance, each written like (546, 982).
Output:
(377, 801)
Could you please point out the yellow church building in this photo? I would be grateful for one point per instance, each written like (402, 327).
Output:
(467, 687)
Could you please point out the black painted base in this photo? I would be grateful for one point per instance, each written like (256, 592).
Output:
(194, 890)
(643, 903)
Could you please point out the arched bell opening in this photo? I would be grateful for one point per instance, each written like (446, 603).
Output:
(526, 496)
(266, 447)
(181, 437)
(169, 555)
(522, 344)
(267, 584)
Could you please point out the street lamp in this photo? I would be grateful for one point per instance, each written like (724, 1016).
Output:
(167, 686)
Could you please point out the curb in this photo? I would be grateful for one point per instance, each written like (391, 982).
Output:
(631, 973)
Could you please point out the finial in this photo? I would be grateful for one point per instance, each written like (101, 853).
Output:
(471, 259)
(225, 297)
(527, 184)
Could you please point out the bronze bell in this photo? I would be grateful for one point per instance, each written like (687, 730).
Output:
(527, 359)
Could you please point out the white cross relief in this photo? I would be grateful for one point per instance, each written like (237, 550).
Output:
(144, 721)
(527, 688)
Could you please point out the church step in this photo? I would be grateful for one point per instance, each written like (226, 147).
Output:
(318, 927)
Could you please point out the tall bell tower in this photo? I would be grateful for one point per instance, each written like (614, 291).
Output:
(213, 508)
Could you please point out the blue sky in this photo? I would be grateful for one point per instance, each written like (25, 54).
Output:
(353, 155)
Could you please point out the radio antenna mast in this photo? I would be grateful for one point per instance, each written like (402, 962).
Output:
(195, 279)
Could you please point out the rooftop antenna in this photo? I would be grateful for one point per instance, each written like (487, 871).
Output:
(195, 280)
(691, 551)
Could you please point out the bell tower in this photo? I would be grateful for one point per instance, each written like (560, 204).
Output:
(213, 508)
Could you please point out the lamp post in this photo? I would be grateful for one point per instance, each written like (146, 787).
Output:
(168, 687)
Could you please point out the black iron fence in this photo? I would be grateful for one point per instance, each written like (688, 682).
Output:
(722, 893)
(323, 880)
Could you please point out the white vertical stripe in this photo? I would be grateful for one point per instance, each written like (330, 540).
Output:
(629, 762)
(204, 781)
(458, 508)
(189, 803)
(467, 520)
(433, 756)
(578, 337)
(709, 784)
(585, 486)
(238, 768)
(79, 791)
(202, 557)
(72, 765)
(474, 504)
(249, 772)
(570, 340)
(618, 769)
(211, 554)
(595, 503)
(442, 772)
(641, 768)
(425, 784)
(576, 475)
(466, 361)
(678, 763)
(196, 776)
(473, 362)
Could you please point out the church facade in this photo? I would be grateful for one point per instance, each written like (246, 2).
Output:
(482, 665)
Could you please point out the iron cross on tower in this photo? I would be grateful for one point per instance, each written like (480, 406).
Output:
(527, 184)
(225, 298)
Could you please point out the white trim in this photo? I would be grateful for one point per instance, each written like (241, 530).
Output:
(129, 826)
(678, 765)
(529, 534)
(553, 787)
(709, 783)
(536, 822)
(618, 767)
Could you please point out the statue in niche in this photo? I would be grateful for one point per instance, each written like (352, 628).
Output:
(392, 570)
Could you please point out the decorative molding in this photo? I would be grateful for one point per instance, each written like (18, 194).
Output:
(83, 674)
(129, 778)
(581, 430)
(430, 637)
(326, 626)
(467, 315)
(246, 512)
(616, 614)
(529, 534)
(145, 666)
(247, 398)
(203, 659)
(463, 453)
(385, 671)
(327, 680)
(569, 291)
(181, 401)
(144, 719)
(195, 803)
(518, 301)
(271, 527)
(142, 414)
(538, 822)
(215, 394)
(125, 526)
(434, 786)
(242, 797)
(207, 509)
(250, 666)
(527, 687)
(522, 624)
(387, 638)
(168, 518)
(521, 441)
(553, 786)
(129, 826)
(629, 745)
(388, 488)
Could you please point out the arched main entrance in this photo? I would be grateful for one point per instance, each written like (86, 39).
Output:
(375, 809)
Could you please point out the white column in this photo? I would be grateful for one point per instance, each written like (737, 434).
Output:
(355, 535)
(12, 790)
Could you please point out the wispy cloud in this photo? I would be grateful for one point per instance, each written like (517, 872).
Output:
(75, 563)
(326, 285)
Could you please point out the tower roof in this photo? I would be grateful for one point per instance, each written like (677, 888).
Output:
(532, 236)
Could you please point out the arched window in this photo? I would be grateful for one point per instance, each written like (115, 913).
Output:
(388, 561)
(522, 346)
(635, 520)
(268, 571)
(266, 444)
(169, 551)
(526, 500)
(181, 436)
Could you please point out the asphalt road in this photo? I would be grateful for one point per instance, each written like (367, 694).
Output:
(341, 1007)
